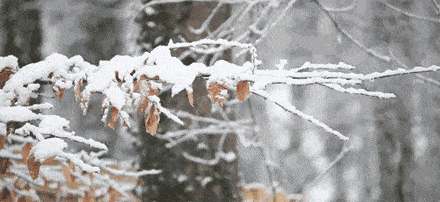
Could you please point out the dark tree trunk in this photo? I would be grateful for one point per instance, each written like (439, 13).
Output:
(169, 21)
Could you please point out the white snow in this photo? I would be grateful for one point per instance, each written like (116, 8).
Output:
(9, 61)
(18, 114)
(47, 148)
(54, 122)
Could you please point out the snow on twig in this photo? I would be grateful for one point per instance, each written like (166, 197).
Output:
(290, 108)
(359, 91)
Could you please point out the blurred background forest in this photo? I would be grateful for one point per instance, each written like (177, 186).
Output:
(394, 150)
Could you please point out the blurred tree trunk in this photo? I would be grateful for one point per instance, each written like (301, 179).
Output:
(181, 179)
(20, 30)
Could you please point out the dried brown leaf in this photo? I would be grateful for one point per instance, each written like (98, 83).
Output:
(114, 117)
(242, 90)
(214, 90)
(117, 77)
(71, 165)
(50, 161)
(143, 105)
(4, 165)
(152, 120)
(33, 166)
(60, 93)
(191, 98)
(2, 141)
(136, 85)
(9, 127)
(5, 73)
(112, 193)
(67, 174)
(78, 90)
(25, 151)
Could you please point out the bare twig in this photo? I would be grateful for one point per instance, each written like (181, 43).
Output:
(345, 149)
(348, 35)
(290, 108)
(412, 15)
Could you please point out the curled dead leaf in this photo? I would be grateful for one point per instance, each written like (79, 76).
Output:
(117, 77)
(114, 117)
(242, 90)
(5, 73)
(191, 98)
(33, 167)
(152, 119)
(78, 90)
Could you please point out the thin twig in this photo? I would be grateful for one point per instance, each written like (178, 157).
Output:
(412, 15)
(421, 77)
(345, 150)
(348, 35)
(290, 108)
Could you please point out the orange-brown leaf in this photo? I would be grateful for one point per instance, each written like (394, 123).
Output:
(153, 92)
(136, 85)
(114, 117)
(9, 127)
(242, 90)
(152, 120)
(67, 174)
(214, 90)
(60, 93)
(78, 90)
(33, 166)
(50, 161)
(143, 105)
(2, 141)
(117, 77)
(4, 76)
(71, 165)
(6, 195)
(4, 165)
(191, 98)
(112, 193)
(25, 151)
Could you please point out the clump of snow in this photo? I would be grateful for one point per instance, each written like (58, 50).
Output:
(54, 122)
(9, 61)
(281, 65)
(47, 148)
(115, 96)
(229, 157)
(18, 114)
(2, 129)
